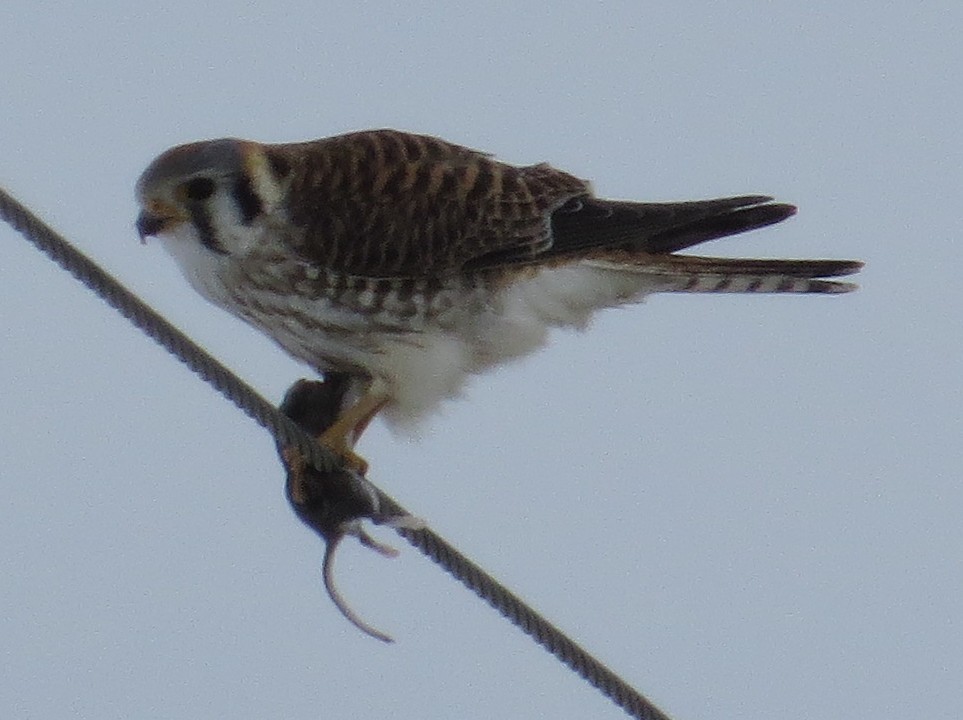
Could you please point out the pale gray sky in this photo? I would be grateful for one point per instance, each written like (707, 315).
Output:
(749, 507)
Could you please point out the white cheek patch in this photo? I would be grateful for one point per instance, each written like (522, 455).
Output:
(232, 235)
(200, 266)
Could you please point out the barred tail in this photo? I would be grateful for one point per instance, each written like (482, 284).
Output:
(693, 274)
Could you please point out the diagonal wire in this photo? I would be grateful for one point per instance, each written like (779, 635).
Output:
(288, 433)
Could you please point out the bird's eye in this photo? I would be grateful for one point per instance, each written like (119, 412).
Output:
(199, 188)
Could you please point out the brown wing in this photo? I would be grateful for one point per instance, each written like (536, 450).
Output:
(384, 203)
(592, 227)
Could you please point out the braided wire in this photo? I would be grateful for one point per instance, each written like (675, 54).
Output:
(286, 432)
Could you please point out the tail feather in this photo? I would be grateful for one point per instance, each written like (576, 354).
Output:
(643, 239)
(693, 274)
(626, 239)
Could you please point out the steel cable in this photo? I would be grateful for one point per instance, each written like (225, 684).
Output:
(287, 433)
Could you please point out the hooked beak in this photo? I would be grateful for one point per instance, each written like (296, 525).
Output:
(149, 224)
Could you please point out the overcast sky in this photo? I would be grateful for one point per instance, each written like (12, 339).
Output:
(750, 507)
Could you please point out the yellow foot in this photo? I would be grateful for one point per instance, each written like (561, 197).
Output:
(339, 446)
(340, 437)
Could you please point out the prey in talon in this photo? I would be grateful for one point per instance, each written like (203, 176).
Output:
(413, 264)
(335, 503)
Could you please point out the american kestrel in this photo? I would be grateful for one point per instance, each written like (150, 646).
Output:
(411, 263)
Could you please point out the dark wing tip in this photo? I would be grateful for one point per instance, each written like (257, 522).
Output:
(781, 211)
(659, 228)
(731, 216)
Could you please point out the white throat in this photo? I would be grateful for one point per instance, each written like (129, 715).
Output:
(203, 268)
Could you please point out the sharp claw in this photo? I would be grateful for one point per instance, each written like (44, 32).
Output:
(356, 463)
(350, 460)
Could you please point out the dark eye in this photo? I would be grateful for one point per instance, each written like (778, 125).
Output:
(199, 188)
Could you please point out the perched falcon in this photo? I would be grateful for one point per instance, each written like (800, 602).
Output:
(411, 263)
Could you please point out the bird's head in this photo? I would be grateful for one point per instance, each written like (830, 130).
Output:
(212, 193)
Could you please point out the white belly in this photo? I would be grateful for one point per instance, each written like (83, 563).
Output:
(423, 352)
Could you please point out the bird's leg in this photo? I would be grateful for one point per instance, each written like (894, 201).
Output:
(341, 436)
